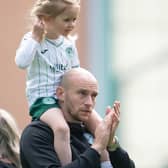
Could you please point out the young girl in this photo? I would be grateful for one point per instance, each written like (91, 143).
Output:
(47, 53)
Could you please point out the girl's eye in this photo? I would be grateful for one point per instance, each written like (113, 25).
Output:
(74, 19)
(66, 20)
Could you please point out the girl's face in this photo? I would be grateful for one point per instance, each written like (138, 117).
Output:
(62, 24)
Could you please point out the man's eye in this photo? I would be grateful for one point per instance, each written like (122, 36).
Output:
(83, 93)
(94, 96)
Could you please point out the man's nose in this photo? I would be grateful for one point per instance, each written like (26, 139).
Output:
(89, 101)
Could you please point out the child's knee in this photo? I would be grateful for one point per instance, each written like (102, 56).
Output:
(61, 129)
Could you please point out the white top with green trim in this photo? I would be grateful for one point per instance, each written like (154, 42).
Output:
(45, 62)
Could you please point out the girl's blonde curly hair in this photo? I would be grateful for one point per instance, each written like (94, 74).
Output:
(51, 8)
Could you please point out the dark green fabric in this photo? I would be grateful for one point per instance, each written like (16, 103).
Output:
(41, 105)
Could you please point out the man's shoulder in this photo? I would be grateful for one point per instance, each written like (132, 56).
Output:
(36, 129)
(36, 124)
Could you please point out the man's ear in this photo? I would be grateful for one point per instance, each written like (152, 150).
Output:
(60, 93)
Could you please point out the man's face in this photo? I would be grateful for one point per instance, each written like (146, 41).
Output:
(80, 98)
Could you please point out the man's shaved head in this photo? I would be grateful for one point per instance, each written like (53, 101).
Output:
(76, 74)
(77, 94)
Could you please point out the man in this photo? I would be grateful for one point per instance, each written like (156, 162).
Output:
(77, 95)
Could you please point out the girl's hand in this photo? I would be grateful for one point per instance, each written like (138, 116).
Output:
(38, 30)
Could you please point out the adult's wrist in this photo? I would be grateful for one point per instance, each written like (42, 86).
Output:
(97, 148)
(106, 164)
(114, 144)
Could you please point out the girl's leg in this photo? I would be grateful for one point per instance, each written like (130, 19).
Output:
(56, 121)
(95, 118)
(93, 121)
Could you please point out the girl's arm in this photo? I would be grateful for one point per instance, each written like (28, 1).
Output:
(26, 51)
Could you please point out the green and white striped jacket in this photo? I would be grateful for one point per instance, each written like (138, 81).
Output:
(45, 62)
